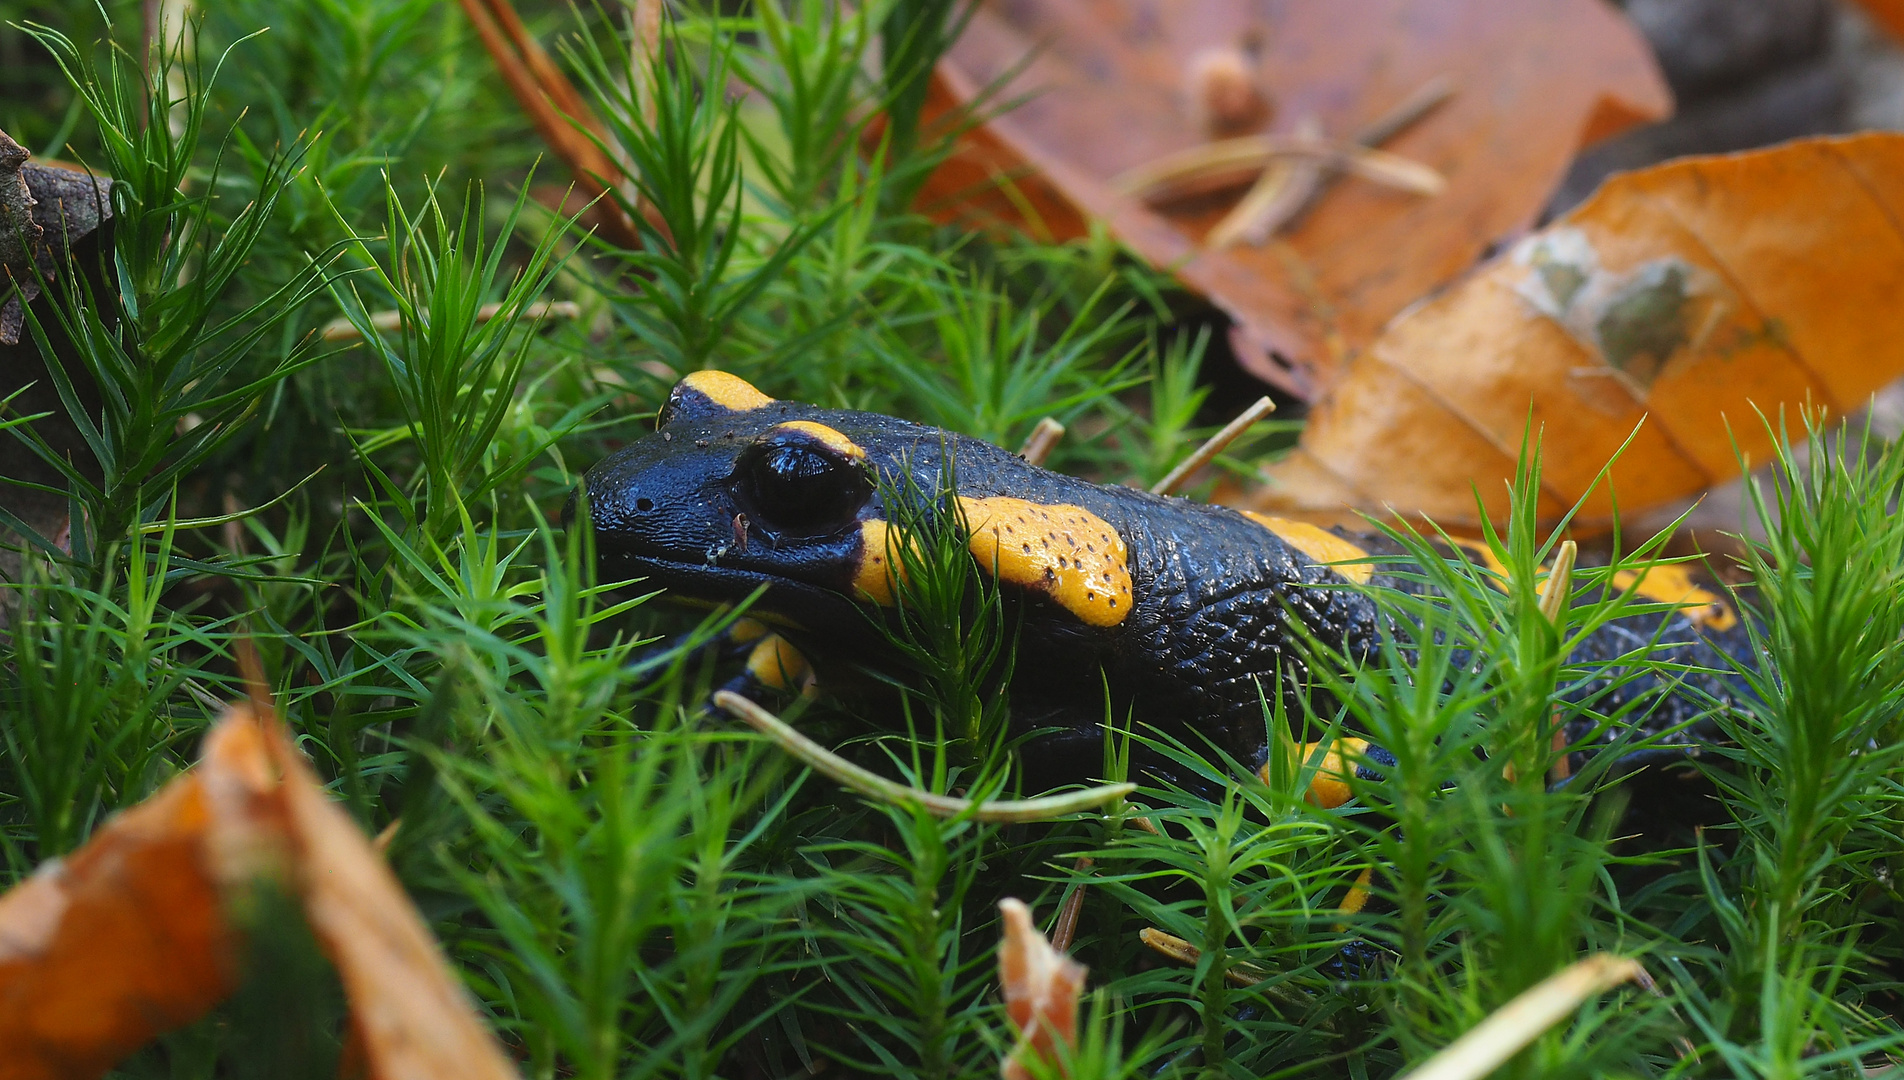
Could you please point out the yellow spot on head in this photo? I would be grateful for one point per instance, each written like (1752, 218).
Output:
(1064, 551)
(745, 630)
(1319, 544)
(730, 392)
(823, 435)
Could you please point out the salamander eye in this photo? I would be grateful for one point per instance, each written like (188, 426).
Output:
(795, 488)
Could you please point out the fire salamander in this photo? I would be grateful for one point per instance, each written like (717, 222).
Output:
(1183, 609)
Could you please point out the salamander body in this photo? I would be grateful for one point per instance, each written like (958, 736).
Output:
(1184, 610)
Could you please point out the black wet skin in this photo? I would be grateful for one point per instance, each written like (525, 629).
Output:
(1211, 590)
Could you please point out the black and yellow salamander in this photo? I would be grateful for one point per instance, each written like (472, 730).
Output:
(1183, 609)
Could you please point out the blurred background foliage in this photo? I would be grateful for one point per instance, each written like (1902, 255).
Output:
(634, 888)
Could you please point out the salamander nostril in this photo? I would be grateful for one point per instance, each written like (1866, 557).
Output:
(644, 505)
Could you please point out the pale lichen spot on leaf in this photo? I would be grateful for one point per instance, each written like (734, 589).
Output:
(1634, 321)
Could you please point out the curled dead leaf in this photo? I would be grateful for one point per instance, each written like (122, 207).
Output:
(124, 940)
(1693, 295)
(133, 934)
(1041, 987)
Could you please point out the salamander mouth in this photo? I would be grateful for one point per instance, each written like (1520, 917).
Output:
(797, 603)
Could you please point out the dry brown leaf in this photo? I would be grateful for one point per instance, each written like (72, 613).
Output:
(559, 112)
(128, 937)
(131, 937)
(1103, 94)
(1687, 294)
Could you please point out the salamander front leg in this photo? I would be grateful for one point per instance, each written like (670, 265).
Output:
(774, 666)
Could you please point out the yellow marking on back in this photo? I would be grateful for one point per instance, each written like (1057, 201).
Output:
(826, 437)
(730, 392)
(1063, 551)
(745, 630)
(1319, 544)
(1487, 558)
(1672, 584)
(1667, 584)
(1356, 898)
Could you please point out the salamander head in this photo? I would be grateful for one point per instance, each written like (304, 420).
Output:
(736, 490)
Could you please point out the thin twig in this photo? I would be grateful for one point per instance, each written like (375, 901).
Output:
(1426, 99)
(1213, 166)
(389, 322)
(1065, 931)
(1241, 973)
(1682, 1045)
(1489, 1044)
(1283, 188)
(644, 45)
(874, 786)
(1042, 440)
(1213, 446)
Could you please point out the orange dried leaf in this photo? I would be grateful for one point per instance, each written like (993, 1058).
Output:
(1102, 83)
(128, 937)
(1688, 295)
(102, 951)
(131, 936)
(1041, 987)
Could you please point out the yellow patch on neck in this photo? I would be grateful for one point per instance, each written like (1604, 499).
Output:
(826, 437)
(730, 392)
(874, 579)
(1063, 551)
(1319, 544)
